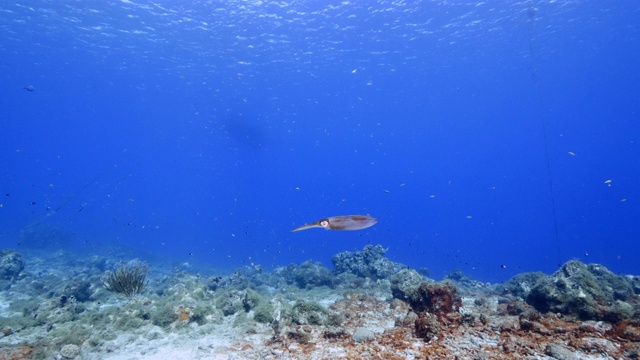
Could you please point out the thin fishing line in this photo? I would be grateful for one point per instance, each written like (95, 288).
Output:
(63, 204)
(73, 196)
(531, 13)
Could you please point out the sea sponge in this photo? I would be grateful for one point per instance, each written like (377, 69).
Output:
(183, 314)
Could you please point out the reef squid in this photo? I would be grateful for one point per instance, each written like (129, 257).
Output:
(345, 222)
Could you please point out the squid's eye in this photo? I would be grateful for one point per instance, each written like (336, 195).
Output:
(324, 223)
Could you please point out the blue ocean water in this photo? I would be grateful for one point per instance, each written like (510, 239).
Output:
(492, 137)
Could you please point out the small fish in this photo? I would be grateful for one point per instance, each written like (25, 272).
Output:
(345, 222)
(29, 88)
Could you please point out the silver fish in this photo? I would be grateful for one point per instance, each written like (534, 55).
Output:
(345, 222)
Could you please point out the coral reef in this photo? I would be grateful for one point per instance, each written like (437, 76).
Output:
(292, 313)
(590, 292)
(79, 288)
(309, 313)
(439, 299)
(404, 283)
(11, 264)
(368, 263)
(521, 284)
(308, 275)
(434, 305)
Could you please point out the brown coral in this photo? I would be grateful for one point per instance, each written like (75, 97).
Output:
(437, 299)
(427, 326)
(436, 305)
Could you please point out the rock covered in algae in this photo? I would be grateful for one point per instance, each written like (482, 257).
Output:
(404, 283)
(522, 284)
(309, 313)
(434, 305)
(11, 264)
(590, 292)
(368, 263)
(308, 275)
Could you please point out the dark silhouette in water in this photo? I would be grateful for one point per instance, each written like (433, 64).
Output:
(29, 88)
(247, 132)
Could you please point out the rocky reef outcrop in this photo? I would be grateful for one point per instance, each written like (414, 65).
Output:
(589, 292)
(368, 263)
(11, 264)
(433, 305)
(307, 275)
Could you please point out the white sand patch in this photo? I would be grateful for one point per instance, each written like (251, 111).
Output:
(211, 341)
(4, 305)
